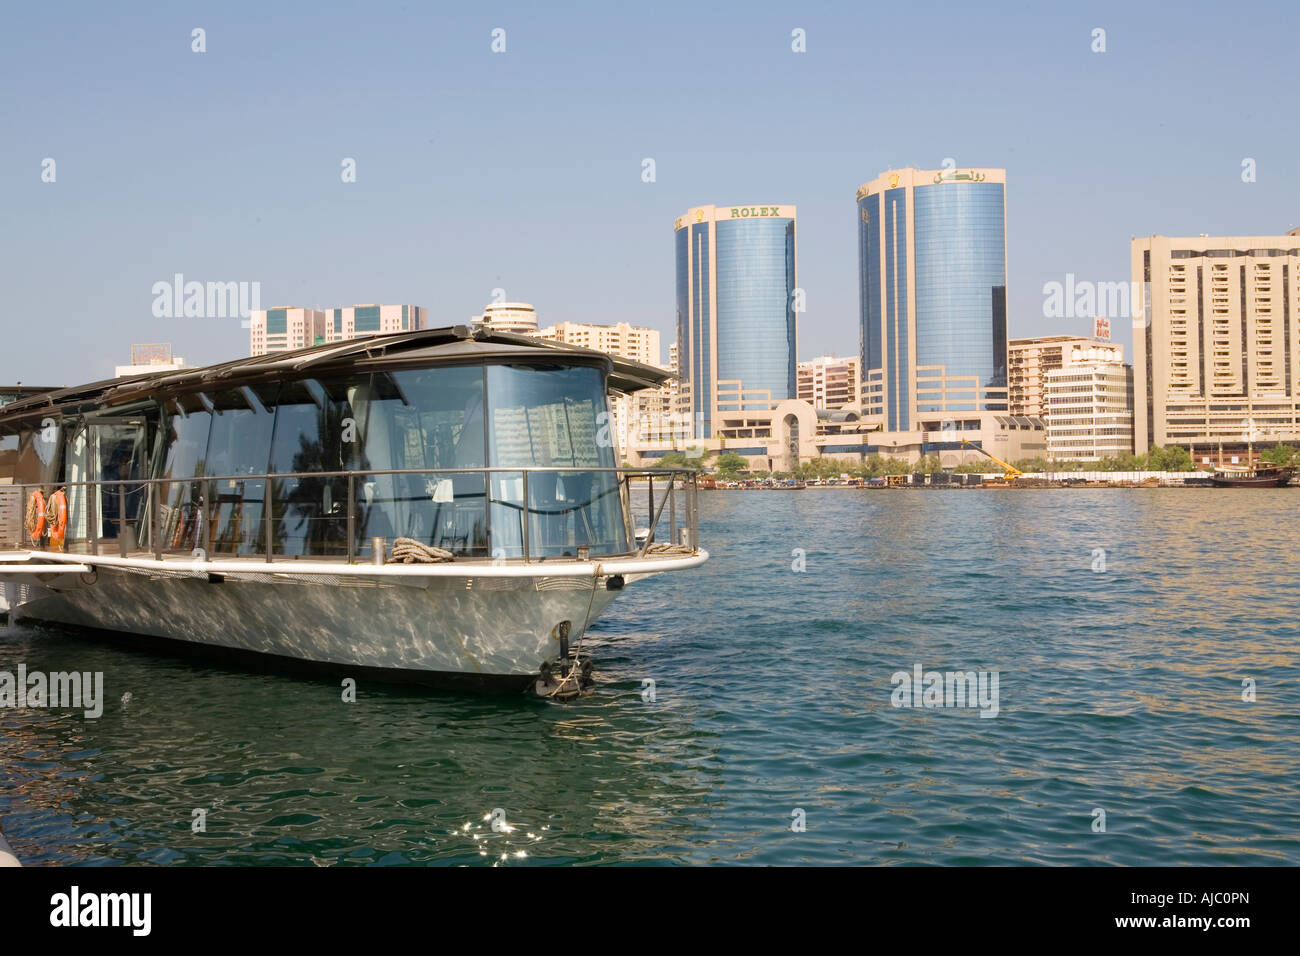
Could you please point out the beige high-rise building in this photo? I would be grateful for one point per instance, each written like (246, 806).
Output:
(1029, 361)
(624, 340)
(1217, 340)
(829, 382)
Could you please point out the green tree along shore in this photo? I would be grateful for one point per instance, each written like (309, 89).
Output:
(1169, 458)
(730, 465)
(1280, 454)
(692, 458)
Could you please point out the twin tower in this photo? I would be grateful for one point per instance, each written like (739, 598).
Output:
(932, 298)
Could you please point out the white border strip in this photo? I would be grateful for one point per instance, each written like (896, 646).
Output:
(43, 568)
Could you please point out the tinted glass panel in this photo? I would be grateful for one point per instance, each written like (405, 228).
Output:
(121, 453)
(960, 274)
(8, 455)
(185, 446)
(755, 268)
(239, 444)
(365, 318)
(547, 417)
(430, 420)
(38, 455)
(683, 303)
(700, 371)
(316, 430)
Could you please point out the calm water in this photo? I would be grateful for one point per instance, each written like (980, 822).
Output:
(1119, 690)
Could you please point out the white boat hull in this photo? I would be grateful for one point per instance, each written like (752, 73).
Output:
(491, 630)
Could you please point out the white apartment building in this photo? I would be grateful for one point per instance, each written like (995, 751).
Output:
(1090, 410)
(519, 317)
(354, 321)
(284, 328)
(288, 327)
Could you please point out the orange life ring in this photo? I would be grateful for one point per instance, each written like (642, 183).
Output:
(57, 512)
(35, 516)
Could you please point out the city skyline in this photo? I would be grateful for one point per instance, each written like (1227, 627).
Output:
(225, 166)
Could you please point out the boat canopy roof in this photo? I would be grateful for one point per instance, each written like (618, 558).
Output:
(424, 348)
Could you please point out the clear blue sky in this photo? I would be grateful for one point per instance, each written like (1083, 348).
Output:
(522, 170)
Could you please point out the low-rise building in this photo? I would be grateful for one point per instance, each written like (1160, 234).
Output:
(1028, 362)
(284, 328)
(355, 321)
(293, 327)
(154, 357)
(792, 432)
(627, 341)
(517, 317)
(829, 381)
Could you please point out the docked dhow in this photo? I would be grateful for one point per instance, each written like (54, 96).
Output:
(442, 505)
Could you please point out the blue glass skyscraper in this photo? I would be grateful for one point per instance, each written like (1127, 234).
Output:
(736, 310)
(932, 283)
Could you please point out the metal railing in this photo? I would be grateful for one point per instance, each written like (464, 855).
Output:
(172, 515)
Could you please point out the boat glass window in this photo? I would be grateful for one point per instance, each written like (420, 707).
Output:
(77, 468)
(316, 430)
(553, 417)
(239, 444)
(188, 421)
(121, 454)
(8, 456)
(431, 421)
(185, 444)
(38, 458)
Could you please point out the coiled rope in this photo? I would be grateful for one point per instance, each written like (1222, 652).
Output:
(410, 551)
(664, 547)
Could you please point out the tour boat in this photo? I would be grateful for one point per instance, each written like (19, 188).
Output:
(1252, 476)
(440, 505)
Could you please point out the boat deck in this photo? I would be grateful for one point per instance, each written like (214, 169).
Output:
(34, 563)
